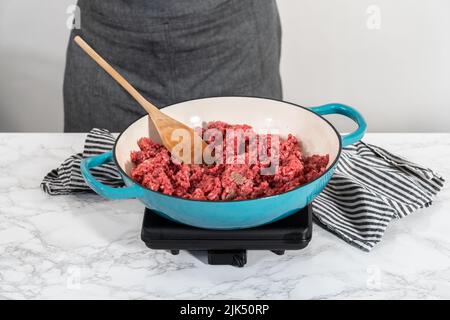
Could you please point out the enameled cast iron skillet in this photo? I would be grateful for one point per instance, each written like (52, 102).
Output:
(317, 136)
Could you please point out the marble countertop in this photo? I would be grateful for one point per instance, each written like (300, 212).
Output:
(86, 247)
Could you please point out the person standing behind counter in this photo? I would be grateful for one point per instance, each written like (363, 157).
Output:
(171, 51)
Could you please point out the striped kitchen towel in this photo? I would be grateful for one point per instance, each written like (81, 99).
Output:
(67, 179)
(370, 187)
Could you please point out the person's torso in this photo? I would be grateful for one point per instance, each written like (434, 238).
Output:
(150, 8)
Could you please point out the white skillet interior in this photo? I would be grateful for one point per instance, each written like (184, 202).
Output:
(315, 134)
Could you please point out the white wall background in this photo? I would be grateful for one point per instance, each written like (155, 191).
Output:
(397, 75)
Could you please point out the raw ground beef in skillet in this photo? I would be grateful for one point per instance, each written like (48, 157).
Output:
(155, 170)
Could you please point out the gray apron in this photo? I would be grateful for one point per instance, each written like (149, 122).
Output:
(171, 51)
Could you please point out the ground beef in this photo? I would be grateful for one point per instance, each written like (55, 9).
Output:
(155, 170)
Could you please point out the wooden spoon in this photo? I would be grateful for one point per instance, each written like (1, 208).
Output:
(164, 124)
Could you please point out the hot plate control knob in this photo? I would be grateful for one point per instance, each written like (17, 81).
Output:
(236, 258)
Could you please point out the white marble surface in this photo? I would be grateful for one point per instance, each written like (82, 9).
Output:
(87, 247)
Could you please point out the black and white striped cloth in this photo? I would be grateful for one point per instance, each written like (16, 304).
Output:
(67, 179)
(370, 187)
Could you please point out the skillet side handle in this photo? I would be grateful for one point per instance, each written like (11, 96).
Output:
(106, 191)
(342, 109)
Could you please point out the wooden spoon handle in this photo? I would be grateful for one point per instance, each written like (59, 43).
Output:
(147, 105)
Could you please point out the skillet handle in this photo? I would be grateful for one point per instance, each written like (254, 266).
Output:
(342, 109)
(106, 191)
